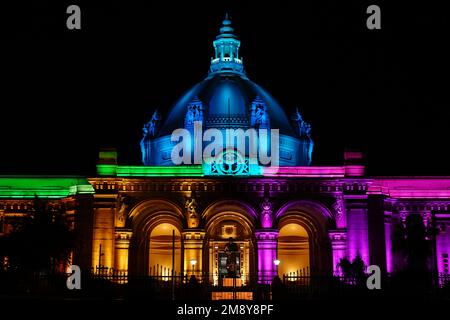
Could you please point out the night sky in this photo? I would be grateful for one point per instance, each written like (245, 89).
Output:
(67, 93)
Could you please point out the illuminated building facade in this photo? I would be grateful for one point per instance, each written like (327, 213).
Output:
(160, 217)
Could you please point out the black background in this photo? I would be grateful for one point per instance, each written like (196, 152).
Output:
(67, 93)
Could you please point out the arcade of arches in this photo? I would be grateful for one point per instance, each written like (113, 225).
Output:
(226, 240)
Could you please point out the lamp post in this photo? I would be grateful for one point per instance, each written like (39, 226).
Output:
(100, 254)
(193, 263)
(276, 262)
(173, 264)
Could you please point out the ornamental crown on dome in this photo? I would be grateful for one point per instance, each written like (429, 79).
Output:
(227, 99)
(226, 46)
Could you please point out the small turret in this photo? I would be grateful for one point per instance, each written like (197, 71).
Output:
(226, 46)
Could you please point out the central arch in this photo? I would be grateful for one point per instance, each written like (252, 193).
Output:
(229, 224)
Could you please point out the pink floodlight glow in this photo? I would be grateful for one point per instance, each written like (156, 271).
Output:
(353, 155)
(339, 248)
(388, 243)
(443, 251)
(354, 171)
(307, 172)
(267, 253)
(423, 188)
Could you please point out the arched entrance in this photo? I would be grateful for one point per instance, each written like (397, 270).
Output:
(229, 246)
(303, 243)
(152, 223)
(229, 250)
(165, 250)
(293, 250)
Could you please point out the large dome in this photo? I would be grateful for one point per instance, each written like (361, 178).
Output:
(227, 99)
(228, 96)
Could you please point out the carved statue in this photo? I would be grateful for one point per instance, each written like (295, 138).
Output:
(122, 212)
(303, 128)
(194, 113)
(260, 114)
(191, 212)
(259, 117)
(338, 207)
(297, 117)
(149, 132)
(266, 214)
(231, 251)
(151, 127)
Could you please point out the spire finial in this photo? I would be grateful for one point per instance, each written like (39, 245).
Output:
(226, 47)
(226, 28)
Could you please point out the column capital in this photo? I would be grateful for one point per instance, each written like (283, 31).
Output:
(123, 234)
(266, 234)
(193, 234)
(338, 239)
(338, 235)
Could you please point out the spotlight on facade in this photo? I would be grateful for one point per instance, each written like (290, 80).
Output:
(276, 262)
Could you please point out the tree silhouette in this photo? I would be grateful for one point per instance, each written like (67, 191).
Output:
(412, 252)
(354, 270)
(41, 242)
(411, 244)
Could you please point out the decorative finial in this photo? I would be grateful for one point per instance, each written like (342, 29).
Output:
(226, 26)
(226, 47)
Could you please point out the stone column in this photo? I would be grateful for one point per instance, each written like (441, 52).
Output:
(443, 246)
(376, 231)
(388, 241)
(82, 255)
(267, 253)
(338, 240)
(103, 239)
(122, 245)
(357, 228)
(193, 248)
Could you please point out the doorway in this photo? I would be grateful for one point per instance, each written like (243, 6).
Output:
(229, 251)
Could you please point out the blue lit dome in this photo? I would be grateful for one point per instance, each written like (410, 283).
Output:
(227, 99)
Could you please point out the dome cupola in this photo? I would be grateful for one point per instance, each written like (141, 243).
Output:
(227, 99)
(226, 51)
